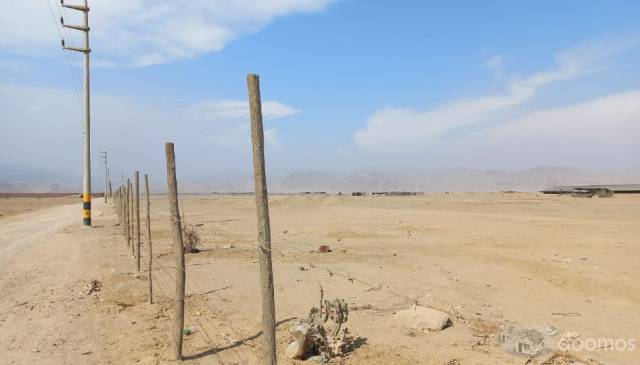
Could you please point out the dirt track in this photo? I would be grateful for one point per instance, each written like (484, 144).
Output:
(13, 205)
(490, 258)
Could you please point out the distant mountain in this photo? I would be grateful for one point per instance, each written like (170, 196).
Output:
(25, 179)
(453, 180)
(19, 179)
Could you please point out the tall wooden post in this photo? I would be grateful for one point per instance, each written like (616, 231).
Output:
(118, 203)
(131, 219)
(137, 175)
(264, 229)
(126, 227)
(116, 206)
(146, 186)
(178, 325)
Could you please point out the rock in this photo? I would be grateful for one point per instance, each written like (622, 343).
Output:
(93, 286)
(423, 318)
(324, 249)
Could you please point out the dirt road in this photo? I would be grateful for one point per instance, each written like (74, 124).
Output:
(488, 259)
(19, 233)
(10, 206)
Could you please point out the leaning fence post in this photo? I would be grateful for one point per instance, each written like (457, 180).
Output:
(264, 230)
(137, 175)
(172, 183)
(146, 186)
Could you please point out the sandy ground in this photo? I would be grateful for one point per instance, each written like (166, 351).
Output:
(487, 259)
(13, 206)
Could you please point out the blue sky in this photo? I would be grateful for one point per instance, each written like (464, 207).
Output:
(352, 84)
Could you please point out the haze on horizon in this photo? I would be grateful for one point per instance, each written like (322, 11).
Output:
(347, 86)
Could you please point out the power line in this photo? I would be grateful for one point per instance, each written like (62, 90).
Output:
(76, 60)
(74, 78)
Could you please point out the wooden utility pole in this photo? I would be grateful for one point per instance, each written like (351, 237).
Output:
(146, 188)
(264, 229)
(86, 180)
(178, 246)
(137, 175)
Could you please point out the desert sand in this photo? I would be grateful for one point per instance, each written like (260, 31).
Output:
(487, 259)
(13, 206)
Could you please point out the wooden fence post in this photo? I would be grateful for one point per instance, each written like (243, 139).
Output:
(172, 183)
(116, 206)
(137, 175)
(264, 229)
(146, 185)
(126, 213)
(131, 219)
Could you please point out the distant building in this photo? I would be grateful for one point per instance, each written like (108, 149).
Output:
(596, 189)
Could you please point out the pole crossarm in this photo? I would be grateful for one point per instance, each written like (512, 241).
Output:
(82, 50)
(76, 27)
(75, 7)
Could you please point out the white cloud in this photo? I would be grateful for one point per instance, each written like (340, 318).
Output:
(234, 135)
(217, 110)
(496, 64)
(614, 119)
(146, 32)
(405, 128)
(134, 133)
(600, 133)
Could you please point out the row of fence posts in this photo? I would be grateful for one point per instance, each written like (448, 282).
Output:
(126, 200)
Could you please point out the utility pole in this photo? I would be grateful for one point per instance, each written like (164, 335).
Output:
(86, 180)
(103, 159)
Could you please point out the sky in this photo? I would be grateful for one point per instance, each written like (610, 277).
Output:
(347, 85)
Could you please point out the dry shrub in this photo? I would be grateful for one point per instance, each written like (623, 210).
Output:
(191, 239)
(322, 335)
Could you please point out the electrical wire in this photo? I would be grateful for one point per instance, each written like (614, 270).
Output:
(74, 77)
(62, 11)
